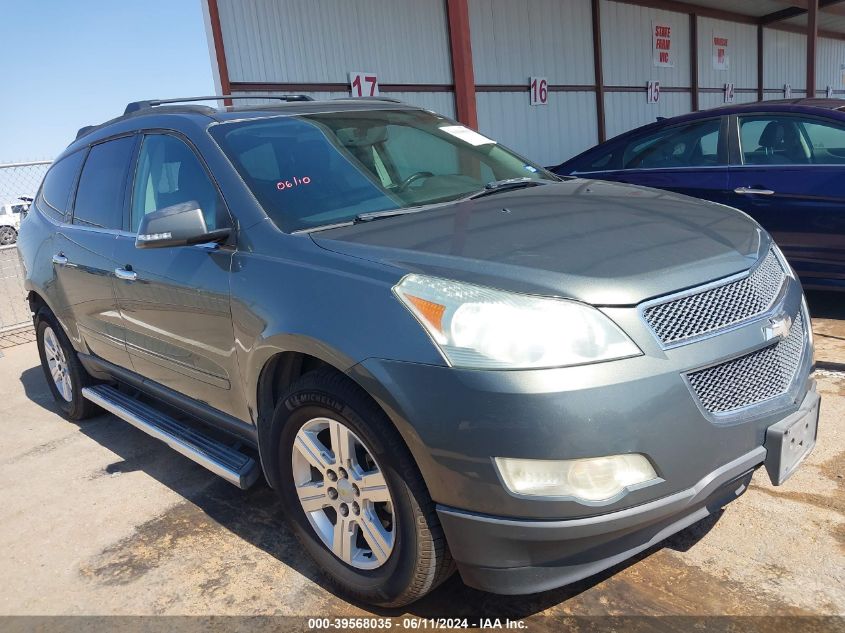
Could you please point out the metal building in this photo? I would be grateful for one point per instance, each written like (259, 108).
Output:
(599, 67)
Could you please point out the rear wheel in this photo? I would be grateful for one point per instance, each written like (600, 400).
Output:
(64, 373)
(354, 495)
(8, 235)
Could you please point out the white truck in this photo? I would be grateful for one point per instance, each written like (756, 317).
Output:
(11, 214)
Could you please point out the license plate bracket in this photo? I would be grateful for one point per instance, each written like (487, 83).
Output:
(790, 441)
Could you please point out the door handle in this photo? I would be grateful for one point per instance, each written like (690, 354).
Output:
(125, 275)
(59, 259)
(752, 191)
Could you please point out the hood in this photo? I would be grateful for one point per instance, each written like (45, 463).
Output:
(599, 242)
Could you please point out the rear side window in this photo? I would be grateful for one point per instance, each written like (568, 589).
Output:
(58, 183)
(602, 162)
(100, 195)
(692, 145)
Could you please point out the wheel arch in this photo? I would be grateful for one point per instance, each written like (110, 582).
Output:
(283, 367)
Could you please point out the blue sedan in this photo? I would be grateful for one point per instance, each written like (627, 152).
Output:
(782, 162)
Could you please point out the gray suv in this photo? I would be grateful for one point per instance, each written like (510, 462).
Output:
(438, 354)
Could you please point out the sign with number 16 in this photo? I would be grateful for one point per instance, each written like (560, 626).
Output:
(539, 88)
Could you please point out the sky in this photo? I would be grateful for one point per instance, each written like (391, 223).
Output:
(66, 64)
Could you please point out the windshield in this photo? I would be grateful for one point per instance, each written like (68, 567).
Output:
(320, 169)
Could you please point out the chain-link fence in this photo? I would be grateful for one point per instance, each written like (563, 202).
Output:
(18, 184)
(21, 179)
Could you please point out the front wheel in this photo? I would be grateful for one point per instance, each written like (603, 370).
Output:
(354, 495)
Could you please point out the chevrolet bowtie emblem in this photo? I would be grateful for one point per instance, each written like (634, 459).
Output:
(778, 327)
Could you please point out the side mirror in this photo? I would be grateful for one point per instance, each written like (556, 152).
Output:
(177, 225)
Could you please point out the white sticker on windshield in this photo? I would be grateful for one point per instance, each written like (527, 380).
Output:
(465, 134)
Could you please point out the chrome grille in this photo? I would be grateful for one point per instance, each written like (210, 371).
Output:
(753, 378)
(705, 312)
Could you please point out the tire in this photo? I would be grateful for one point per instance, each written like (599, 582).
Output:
(52, 343)
(8, 235)
(418, 559)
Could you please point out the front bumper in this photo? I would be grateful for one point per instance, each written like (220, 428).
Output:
(509, 556)
(516, 557)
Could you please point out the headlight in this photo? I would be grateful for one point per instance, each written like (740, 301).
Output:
(484, 328)
(592, 479)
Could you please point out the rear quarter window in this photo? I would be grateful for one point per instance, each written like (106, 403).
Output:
(58, 183)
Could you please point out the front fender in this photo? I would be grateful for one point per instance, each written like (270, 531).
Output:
(305, 299)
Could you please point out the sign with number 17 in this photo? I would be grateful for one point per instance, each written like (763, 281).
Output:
(363, 84)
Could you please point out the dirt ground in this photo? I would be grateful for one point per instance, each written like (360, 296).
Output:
(98, 518)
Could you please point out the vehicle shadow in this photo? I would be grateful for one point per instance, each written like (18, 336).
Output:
(257, 516)
(827, 310)
(826, 304)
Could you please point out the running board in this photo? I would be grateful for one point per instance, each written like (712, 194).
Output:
(232, 465)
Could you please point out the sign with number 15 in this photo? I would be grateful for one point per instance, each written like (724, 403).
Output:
(653, 91)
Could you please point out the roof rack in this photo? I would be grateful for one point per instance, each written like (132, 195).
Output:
(84, 130)
(388, 99)
(135, 106)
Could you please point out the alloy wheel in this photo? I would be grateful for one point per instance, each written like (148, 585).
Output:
(343, 493)
(57, 364)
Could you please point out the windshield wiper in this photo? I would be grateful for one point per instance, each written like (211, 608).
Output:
(507, 184)
(378, 215)
(490, 188)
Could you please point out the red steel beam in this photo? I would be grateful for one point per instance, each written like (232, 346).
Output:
(760, 84)
(693, 48)
(220, 53)
(598, 65)
(462, 69)
(812, 40)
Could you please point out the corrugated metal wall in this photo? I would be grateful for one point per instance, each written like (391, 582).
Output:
(627, 61)
(742, 63)
(742, 52)
(512, 41)
(627, 46)
(707, 100)
(830, 65)
(627, 110)
(785, 62)
(320, 41)
(546, 134)
(407, 42)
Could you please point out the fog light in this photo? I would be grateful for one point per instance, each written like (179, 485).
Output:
(592, 479)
